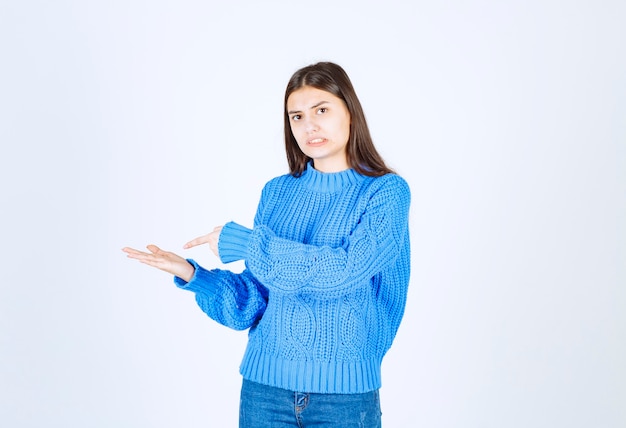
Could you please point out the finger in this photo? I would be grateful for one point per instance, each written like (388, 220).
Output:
(132, 252)
(138, 255)
(197, 241)
(152, 258)
(154, 249)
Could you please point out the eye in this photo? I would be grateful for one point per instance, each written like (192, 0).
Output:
(322, 110)
(295, 117)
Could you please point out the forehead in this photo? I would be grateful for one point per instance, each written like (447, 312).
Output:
(308, 96)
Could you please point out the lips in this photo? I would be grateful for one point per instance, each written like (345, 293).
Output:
(316, 142)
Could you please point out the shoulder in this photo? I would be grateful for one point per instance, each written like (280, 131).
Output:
(392, 184)
(282, 177)
(278, 182)
(279, 178)
(394, 180)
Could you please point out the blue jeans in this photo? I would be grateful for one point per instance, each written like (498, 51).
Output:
(265, 406)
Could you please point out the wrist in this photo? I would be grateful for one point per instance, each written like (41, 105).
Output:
(188, 272)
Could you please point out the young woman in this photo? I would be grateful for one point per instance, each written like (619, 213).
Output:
(327, 267)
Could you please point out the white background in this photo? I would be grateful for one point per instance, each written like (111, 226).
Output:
(134, 122)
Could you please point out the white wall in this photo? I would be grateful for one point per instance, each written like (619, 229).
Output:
(131, 122)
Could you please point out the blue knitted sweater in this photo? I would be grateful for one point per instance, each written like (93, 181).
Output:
(325, 284)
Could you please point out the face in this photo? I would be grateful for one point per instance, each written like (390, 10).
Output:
(320, 122)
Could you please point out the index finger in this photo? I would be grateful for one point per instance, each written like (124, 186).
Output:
(197, 241)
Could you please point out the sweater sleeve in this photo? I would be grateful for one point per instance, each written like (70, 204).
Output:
(233, 300)
(288, 266)
(233, 242)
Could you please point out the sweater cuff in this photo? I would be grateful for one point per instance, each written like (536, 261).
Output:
(201, 281)
(233, 242)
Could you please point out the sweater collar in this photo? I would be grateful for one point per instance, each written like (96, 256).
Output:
(329, 181)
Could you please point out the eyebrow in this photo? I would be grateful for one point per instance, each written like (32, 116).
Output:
(312, 107)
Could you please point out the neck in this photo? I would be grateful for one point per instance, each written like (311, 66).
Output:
(330, 167)
(329, 182)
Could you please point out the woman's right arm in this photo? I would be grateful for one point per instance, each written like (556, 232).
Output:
(234, 300)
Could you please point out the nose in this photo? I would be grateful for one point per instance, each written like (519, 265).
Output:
(310, 125)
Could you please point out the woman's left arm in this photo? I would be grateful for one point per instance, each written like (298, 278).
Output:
(288, 266)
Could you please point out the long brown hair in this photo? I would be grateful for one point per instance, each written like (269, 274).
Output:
(360, 151)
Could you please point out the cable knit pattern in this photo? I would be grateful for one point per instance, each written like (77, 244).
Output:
(325, 284)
